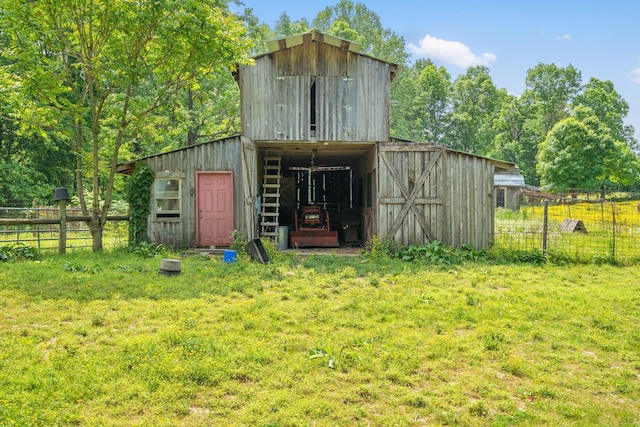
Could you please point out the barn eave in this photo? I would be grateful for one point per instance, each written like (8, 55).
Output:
(127, 167)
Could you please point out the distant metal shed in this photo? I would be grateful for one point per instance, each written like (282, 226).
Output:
(507, 189)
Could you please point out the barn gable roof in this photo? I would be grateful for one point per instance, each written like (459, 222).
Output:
(315, 36)
(312, 36)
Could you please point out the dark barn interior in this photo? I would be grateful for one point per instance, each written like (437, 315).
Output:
(323, 192)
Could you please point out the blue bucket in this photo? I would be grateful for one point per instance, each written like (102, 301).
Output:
(229, 256)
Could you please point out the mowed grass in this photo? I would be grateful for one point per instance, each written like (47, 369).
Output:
(104, 340)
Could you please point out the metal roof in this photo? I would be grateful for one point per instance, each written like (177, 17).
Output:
(509, 180)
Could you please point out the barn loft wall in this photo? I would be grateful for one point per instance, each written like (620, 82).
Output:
(351, 94)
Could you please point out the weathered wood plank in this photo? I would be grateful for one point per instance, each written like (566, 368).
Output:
(417, 201)
(409, 147)
(444, 234)
(400, 166)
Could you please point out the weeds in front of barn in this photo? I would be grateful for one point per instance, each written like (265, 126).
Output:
(316, 340)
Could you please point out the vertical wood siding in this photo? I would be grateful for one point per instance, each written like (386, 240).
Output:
(292, 96)
(429, 193)
(222, 155)
(249, 188)
(352, 95)
(469, 200)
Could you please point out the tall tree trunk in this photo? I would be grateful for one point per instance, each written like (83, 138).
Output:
(96, 233)
(95, 225)
(192, 133)
(79, 178)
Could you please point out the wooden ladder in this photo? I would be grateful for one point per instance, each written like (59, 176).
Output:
(270, 211)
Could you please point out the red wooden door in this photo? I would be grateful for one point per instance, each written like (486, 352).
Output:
(215, 208)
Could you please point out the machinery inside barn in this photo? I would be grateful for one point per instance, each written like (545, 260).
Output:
(318, 205)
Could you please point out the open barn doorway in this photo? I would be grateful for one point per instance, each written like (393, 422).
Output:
(322, 194)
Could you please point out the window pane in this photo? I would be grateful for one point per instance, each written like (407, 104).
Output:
(167, 198)
(168, 189)
(168, 205)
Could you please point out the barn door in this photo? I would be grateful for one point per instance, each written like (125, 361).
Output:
(410, 192)
(249, 185)
(215, 208)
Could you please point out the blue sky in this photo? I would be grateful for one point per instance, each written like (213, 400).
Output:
(599, 38)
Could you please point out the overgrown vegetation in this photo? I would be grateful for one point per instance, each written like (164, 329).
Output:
(145, 249)
(436, 252)
(239, 242)
(316, 340)
(139, 198)
(18, 252)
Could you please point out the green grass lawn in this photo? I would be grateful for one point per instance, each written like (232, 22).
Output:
(104, 340)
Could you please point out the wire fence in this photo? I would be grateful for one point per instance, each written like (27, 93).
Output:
(585, 227)
(46, 237)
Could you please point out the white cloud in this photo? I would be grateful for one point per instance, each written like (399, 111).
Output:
(450, 52)
(635, 76)
(563, 37)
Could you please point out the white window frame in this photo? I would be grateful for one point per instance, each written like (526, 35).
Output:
(164, 190)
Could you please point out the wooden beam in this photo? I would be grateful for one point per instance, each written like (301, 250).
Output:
(417, 201)
(411, 147)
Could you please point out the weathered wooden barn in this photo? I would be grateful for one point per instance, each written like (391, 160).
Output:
(315, 133)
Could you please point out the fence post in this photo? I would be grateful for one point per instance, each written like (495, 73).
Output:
(35, 206)
(613, 231)
(62, 242)
(545, 226)
(61, 196)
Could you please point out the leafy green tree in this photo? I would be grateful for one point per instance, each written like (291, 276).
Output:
(551, 90)
(515, 136)
(356, 22)
(94, 72)
(600, 99)
(423, 94)
(258, 32)
(433, 102)
(30, 165)
(522, 123)
(285, 27)
(475, 104)
(576, 153)
(403, 115)
(214, 108)
(609, 107)
(607, 104)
